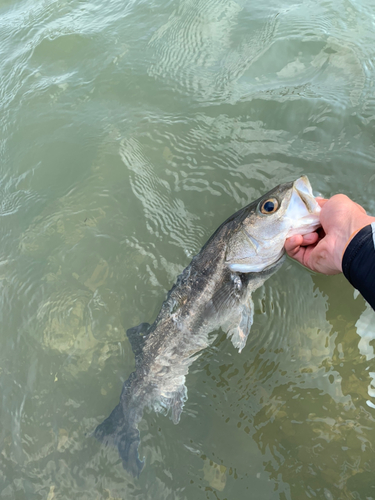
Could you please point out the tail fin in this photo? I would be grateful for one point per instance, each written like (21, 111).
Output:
(117, 431)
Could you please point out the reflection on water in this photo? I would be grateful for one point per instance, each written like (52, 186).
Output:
(129, 132)
(329, 444)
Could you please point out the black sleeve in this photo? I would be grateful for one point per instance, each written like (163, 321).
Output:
(358, 263)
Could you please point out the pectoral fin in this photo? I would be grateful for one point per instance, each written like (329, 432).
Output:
(239, 328)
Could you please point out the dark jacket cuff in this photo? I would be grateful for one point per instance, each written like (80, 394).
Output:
(358, 263)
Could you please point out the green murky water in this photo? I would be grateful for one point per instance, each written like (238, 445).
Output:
(129, 132)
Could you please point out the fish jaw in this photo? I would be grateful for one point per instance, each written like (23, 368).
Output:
(303, 210)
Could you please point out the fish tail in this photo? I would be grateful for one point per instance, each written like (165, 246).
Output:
(118, 430)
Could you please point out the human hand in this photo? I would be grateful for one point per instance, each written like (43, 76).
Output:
(322, 251)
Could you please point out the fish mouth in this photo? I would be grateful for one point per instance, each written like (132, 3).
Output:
(303, 208)
(303, 190)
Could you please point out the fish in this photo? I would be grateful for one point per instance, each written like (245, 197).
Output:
(214, 291)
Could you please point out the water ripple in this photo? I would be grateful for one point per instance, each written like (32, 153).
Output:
(189, 46)
(163, 215)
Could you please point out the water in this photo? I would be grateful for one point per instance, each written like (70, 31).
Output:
(129, 132)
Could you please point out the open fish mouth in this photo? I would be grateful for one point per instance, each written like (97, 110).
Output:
(303, 208)
(303, 187)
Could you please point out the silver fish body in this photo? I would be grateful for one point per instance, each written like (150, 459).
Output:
(213, 291)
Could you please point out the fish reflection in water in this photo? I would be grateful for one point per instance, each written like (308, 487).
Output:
(213, 291)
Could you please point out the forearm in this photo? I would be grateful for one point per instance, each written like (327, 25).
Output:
(358, 263)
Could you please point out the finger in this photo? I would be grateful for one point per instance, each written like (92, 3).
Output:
(321, 201)
(305, 252)
(298, 254)
(309, 257)
(292, 244)
(309, 239)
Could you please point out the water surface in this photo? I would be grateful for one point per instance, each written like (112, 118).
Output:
(129, 132)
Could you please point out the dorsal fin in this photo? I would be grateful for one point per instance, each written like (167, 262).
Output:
(137, 336)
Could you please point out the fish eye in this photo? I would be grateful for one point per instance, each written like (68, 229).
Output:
(269, 206)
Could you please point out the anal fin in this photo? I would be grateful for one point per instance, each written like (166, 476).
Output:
(177, 404)
(173, 402)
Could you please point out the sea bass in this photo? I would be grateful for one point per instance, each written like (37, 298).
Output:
(213, 291)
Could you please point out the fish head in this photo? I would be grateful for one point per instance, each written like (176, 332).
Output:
(257, 241)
